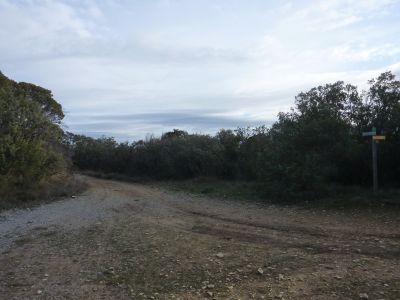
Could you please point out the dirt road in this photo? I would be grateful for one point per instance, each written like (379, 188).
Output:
(131, 241)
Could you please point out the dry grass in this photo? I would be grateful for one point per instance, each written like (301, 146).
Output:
(57, 186)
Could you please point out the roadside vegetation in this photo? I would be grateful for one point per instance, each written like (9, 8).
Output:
(33, 160)
(314, 151)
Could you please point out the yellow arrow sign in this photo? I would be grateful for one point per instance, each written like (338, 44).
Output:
(379, 137)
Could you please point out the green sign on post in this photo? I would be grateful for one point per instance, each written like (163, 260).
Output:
(370, 133)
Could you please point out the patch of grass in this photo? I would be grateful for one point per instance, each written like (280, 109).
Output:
(348, 198)
(57, 186)
(355, 197)
(336, 197)
(113, 176)
(230, 189)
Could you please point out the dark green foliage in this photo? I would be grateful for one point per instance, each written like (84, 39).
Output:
(30, 138)
(384, 111)
(307, 153)
(172, 156)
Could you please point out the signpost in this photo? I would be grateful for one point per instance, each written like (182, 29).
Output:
(369, 133)
(379, 138)
(375, 139)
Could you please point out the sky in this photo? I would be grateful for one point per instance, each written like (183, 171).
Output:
(132, 68)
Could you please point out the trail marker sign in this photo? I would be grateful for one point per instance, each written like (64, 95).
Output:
(379, 138)
(369, 133)
(374, 140)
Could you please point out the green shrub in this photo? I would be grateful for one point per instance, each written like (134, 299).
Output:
(30, 137)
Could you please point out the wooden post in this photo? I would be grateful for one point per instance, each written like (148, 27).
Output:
(374, 139)
(374, 165)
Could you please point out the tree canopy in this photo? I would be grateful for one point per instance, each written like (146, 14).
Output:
(30, 136)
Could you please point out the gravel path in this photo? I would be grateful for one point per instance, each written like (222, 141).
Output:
(92, 207)
(131, 241)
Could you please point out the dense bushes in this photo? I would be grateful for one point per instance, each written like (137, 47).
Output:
(172, 156)
(316, 145)
(310, 149)
(30, 137)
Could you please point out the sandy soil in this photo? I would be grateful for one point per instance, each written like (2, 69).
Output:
(131, 241)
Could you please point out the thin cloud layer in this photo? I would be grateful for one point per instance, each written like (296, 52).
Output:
(158, 123)
(130, 68)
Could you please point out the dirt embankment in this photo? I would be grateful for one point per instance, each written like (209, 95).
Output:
(130, 241)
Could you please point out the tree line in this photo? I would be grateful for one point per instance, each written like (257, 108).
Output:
(309, 151)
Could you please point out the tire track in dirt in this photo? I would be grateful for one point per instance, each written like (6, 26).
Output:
(124, 232)
(289, 244)
(312, 231)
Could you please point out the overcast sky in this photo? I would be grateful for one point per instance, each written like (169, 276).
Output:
(127, 68)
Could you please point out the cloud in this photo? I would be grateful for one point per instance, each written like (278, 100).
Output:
(32, 29)
(333, 15)
(149, 66)
(54, 29)
(128, 126)
(363, 53)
